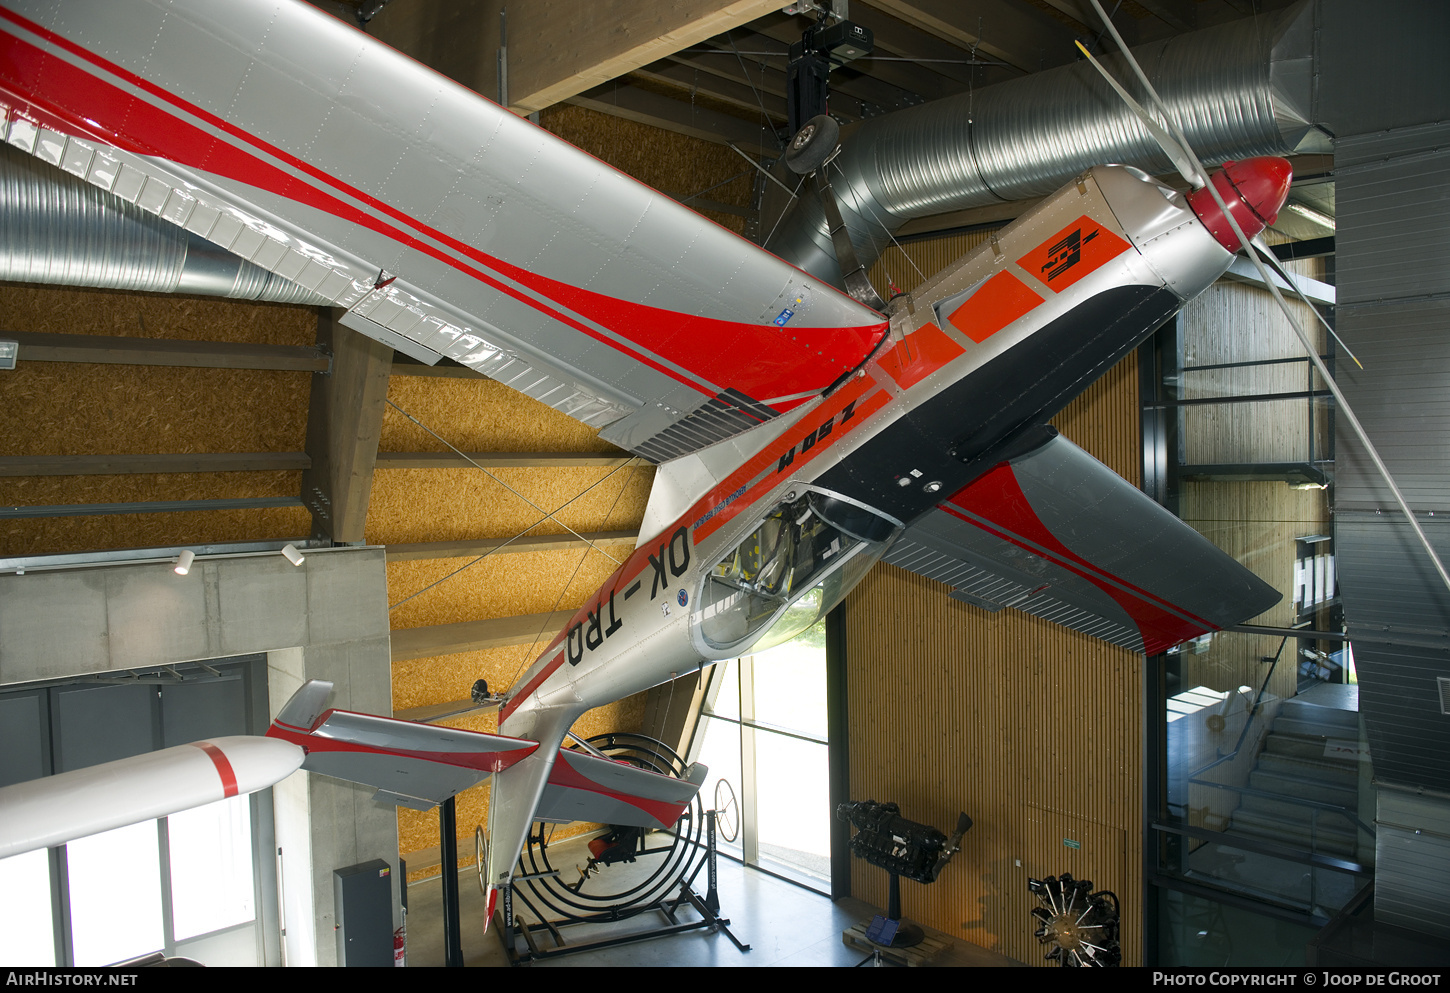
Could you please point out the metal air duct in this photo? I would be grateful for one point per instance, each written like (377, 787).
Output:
(58, 229)
(1239, 89)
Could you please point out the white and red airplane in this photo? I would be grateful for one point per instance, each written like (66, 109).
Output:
(811, 436)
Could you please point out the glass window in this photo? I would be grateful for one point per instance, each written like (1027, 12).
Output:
(763, 732)
(115, 894)
(27, 937)
(211, 867)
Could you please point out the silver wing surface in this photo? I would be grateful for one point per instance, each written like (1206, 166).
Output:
(409, 764)
(443, 224)
(584, 787)
(1057, 534)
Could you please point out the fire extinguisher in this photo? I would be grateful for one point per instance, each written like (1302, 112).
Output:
(400, 941)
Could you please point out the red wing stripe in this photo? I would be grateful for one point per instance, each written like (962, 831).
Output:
(565, 775)
(223, 767)
(672, 343)
(485, 760)
(1013, 519)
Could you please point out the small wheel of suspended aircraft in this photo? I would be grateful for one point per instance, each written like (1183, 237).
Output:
(480, 850)
(812, 145)
(727, 811)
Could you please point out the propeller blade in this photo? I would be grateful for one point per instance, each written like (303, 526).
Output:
(1241, 242)
(1268, 256)
(1165, 140)
(1182, 139)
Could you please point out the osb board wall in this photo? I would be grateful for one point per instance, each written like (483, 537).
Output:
(1033, 730)
(410, 505)
(60, 408)
(669, 162)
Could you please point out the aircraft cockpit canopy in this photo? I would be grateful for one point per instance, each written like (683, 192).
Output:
(794, 566)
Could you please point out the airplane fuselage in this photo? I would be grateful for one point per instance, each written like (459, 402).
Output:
(977, 360)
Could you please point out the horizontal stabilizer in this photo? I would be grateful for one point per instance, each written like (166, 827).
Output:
(412, 765)
(1057, 534)
(585, 787)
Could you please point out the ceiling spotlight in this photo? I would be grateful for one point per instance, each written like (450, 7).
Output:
(292, 554)
(184, 560)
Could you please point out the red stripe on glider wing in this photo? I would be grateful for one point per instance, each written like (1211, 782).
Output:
(224, 769)
(997, 497)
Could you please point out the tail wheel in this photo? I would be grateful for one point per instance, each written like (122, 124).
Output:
(628, 870)
(1080, 925)
(480, 850)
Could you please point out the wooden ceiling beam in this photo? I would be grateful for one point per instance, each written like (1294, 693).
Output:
(1016, 33)
(556, 49)
(622, 98)
(694, 80)
(116, 465)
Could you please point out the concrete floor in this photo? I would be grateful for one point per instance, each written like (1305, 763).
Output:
(785, 925)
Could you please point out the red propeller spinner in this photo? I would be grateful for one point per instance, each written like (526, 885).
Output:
(1254, 190)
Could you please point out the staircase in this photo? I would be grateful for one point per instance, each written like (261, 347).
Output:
(1294, 766)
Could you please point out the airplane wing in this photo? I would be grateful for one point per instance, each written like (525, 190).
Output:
(409, 764)
(443, 224)
(1057, 534)
(53, 810)
(584, 787)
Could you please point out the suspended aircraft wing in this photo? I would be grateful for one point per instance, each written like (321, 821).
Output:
(53, 810)
(409, 764)
(443, 224)
(585, 787)
(1057, 534)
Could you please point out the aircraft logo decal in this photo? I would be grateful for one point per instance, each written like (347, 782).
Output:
(1078, 250)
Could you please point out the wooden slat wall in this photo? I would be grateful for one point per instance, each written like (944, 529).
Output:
(1235, 323)
(1033, 730)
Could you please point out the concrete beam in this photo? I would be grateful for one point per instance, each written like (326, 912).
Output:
(530, 543)
(344, 424)
(473, 636)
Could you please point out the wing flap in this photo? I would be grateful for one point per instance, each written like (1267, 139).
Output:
(1057, 534)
